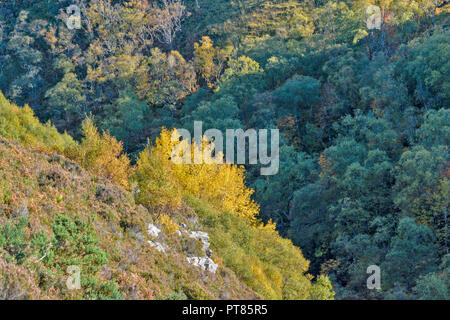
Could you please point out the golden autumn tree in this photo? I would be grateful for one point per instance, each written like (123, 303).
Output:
(222, 185)
(102, 154)
(154, 177)
(209, 61)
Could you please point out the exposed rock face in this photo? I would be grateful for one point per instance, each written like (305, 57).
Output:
(201, 236)
(153, 230)
(204, 263)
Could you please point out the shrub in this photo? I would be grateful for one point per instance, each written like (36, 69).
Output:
(168, 223)
(103, 155)
(13, 240)
(21, 125)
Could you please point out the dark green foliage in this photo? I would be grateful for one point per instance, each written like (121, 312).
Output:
(425, 69)
(413, 253)
(436, 285)
(221, 114)
(125, 120)
(13, 241)
(276, 193)
(298, 95)
(74, 244)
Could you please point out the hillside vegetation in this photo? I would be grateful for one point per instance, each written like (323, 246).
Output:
(54, 213)
(362, 112)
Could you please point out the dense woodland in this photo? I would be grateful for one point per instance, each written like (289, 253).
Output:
(363, 115)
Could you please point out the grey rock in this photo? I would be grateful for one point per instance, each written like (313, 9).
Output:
(201, 236)
(205, 263)
(153, 230)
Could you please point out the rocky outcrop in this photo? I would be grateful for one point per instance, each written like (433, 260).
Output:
(205, 263)
(153, 230)
(201, 236)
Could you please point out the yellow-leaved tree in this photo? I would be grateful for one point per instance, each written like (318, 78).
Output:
(154, 178)
(209, 62)
(103, 155)
(222, 185)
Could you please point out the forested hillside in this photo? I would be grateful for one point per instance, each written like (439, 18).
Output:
(364, 121)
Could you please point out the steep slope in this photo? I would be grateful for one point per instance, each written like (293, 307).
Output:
(54, 214)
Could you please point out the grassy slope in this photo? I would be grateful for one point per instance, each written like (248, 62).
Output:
(52, 186)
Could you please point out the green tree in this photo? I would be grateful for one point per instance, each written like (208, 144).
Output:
(124, 119)
(21, 77)
(276, 193)
(417, 180)
(413, 253)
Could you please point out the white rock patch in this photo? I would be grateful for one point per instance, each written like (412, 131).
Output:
(204, 263)
(201, 236)
(153, 230)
